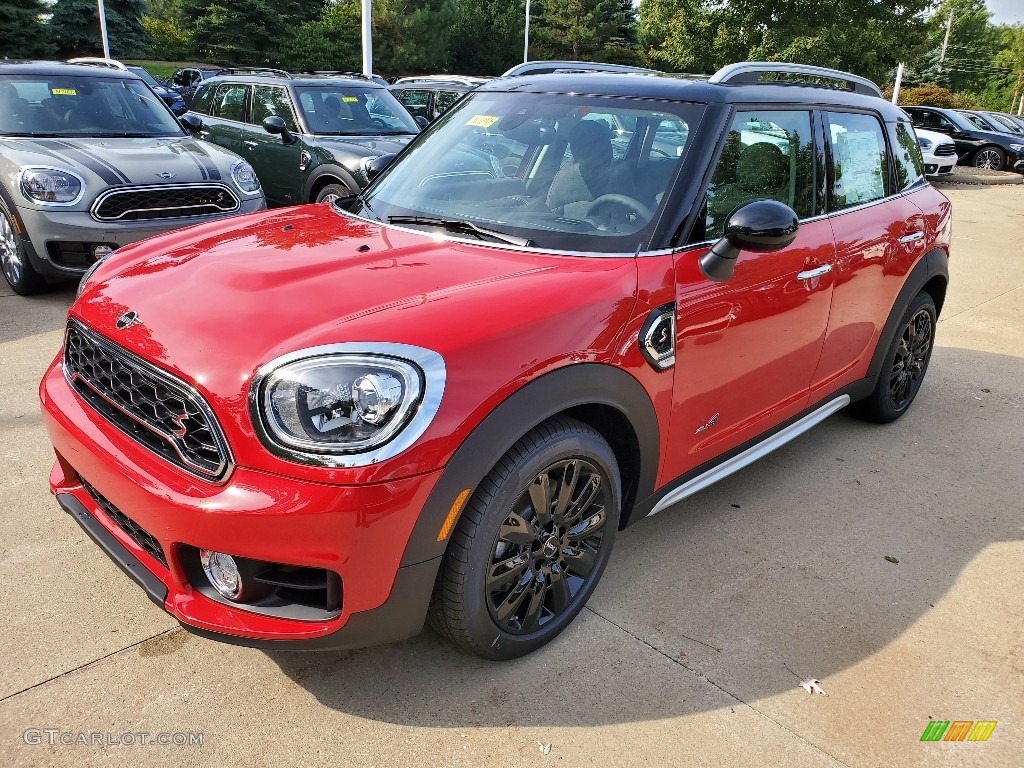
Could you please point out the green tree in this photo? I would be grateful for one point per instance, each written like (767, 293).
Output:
(22, 33)
(973, 44)
(413, 37)
(487, 37)
(579, 29)
(232, 31)
(75, 27)
(867, 37)
(332, 42)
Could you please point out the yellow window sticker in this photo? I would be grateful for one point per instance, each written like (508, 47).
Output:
(482, 121)
(349, 99)
(64, 92)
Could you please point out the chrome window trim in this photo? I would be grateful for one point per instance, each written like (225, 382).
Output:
(34, 201)
(128, 189)
(173, 382)
(430, 363)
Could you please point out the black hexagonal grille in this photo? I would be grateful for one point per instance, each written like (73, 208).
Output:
(945, 150)
(164, 202)
(163, 414)
(137, 533)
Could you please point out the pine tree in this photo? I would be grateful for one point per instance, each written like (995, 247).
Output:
(577, 29)
(22, 34)
(75, 26)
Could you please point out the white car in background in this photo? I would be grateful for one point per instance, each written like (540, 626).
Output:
(939, 152)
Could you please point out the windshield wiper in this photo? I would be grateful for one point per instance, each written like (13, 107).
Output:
(356, 197)
(463, 227)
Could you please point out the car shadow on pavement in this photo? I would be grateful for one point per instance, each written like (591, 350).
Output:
(805, 564)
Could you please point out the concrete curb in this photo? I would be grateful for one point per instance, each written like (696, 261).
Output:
(970, 178)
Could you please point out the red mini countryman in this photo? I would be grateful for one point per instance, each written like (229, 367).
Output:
(572, 302)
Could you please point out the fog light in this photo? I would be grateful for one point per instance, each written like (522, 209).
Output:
(222, 571)
(101, 252)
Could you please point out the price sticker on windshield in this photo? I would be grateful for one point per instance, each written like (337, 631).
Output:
(64, 92)
(350, 99)
(482, 121)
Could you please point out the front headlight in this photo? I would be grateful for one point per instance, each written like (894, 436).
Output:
(343, 404)
(245, 177)
(88, 274)
(1017, 148)
(52, 186)
(347, 404)
(926, 144)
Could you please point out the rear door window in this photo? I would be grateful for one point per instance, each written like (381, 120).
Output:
(858, 167)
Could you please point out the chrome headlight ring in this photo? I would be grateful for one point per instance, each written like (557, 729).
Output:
(315, 390)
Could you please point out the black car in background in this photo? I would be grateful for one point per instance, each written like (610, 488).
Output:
(431, 95)
(186, 81)
(986, 122)
(1014, 123)
(980, 148)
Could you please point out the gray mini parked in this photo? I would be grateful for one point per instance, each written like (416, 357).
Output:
(90, 160)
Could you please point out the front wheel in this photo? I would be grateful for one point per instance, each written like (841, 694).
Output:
(14, 261)
(531, 544)
(333, 192)
(991, 158)
(906, 363)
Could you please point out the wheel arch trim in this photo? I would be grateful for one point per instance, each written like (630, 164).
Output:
(336, 172)
(571, 391)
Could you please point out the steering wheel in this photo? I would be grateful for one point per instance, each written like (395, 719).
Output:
(378, 123)
(613, 211)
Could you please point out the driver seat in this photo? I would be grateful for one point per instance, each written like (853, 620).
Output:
(592, 172)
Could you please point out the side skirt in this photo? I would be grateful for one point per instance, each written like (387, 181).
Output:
(744, 455)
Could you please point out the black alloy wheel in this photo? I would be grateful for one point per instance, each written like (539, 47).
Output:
(990, 158)
(912, 353)
(531, 543)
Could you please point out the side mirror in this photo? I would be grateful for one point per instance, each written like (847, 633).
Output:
(761, 226)
(191, 122)
(375, 166)
(421, 121)
(275, 125)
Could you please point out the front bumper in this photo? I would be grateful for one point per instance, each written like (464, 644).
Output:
(358, 532)
(49, 231)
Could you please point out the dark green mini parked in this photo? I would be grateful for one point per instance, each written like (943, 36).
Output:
(309, 137)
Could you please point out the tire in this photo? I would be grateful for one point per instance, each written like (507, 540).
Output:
(14, 260)
(550, 562)
(992, 158)
(905, 366)
(332, 192)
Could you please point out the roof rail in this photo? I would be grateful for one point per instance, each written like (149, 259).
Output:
(96, 61)
(750, 72)
(458, 79)
(255, 71)
(330, 73)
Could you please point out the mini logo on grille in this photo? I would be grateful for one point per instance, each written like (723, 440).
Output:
(127, 320)
(166, 175)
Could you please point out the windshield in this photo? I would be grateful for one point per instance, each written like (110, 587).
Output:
(564, 172)
(82, 106)
(332, 110)
(144, 74)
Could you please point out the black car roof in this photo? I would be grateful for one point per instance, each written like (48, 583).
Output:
(56, 68)
(688, 88)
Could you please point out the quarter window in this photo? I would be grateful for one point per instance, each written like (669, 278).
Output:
(444, 99)
(858, 159)
(270, 101)
(909, 162)
(768, 155)
(414, 101)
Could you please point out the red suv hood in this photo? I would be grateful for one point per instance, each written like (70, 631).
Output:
(217, 301)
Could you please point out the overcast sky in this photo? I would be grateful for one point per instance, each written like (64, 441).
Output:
(1006, 11)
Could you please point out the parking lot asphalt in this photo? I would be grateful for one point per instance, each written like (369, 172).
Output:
(690, 651)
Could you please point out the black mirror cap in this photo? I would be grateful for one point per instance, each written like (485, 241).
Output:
(375, 166)
(421, 121)
(275, 125)
(761, 226)
(191, 122)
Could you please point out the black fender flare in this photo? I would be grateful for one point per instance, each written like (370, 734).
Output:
(572, 387)
(933, 264)
(342, 174)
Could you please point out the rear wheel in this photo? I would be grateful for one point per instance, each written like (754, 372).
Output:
(14, 261)
(992, 158)
(906, 363)
(531, 544)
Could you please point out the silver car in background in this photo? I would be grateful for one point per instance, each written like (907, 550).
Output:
(90, 160)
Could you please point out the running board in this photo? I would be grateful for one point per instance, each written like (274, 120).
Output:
(752, 454)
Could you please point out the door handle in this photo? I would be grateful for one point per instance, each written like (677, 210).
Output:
(913, 237)
(251, 144)
(808, 274)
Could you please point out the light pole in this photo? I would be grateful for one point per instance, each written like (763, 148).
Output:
(367, 40)
(526, 40)
(103, 29)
